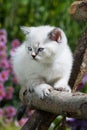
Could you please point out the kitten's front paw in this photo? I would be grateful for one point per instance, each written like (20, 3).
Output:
(43, 90)
(62, 87)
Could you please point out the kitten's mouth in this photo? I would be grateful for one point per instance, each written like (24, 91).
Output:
(34, 58)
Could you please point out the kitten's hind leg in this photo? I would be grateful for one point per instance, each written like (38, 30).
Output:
(62, 85)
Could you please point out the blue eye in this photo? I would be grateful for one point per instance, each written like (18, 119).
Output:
(40, 49)
(29, 48)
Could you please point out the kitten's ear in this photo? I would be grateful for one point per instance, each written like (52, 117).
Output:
(55, 35)
(25, 30)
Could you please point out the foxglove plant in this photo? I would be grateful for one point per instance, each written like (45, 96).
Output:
(7, 112)
(8, 81)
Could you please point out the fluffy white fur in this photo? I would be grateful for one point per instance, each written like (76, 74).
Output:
(50, 68)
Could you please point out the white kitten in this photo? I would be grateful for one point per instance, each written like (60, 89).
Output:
(44, 60)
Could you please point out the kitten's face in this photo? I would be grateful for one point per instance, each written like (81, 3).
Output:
(42, 52)
(43, 43)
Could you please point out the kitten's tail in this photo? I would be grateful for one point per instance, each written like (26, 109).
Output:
(21, 111)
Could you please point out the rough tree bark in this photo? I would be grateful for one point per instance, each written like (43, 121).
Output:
(82, 72)
(40, 119)
(78, 57)
(71, 104)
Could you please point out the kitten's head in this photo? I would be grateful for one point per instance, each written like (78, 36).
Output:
(44, 43)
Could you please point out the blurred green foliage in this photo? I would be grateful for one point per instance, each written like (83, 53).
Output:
(14, 13)
(10, 126)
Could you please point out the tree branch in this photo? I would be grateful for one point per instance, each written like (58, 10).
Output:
(73, 104)
(78, 58)
(82, 72)
(38, 118)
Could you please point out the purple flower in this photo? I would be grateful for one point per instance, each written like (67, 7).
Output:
(1, 86)
(3, 36)
(15, 43)
(76, 124)
(2, 92)
(82, 84)
(4, 76)
(2, 46)
(9, 112)
(3, 39)
(21, 122)
(3, 55)
(84, 80)
(10, 89)
(8, 120)
(3, 32)
(4, 64)
(9, 93)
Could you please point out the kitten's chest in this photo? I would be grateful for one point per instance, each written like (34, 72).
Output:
(51, 73)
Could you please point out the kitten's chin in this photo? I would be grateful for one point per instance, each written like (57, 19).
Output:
(36, 59)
